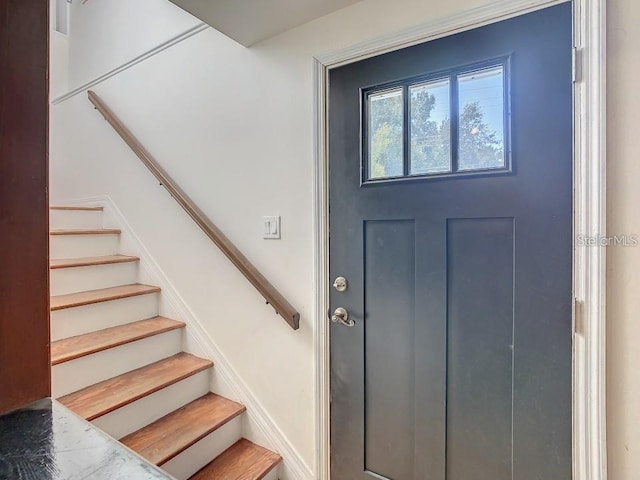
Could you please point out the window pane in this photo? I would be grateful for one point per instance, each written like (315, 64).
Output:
(385, 134)
(481, 119)
(430, 128)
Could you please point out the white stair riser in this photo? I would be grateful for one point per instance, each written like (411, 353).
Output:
(140, 413)
(184, 465)
(94, 277)
(75, 219)
(98, 316)
(76, 374)
(77, 246)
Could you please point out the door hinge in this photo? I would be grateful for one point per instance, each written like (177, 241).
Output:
(577, 317)
(576, 64)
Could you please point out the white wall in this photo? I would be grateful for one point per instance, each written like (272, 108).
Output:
(59, 65)
(104, 34)
(623, 209)
(234, 126)
(59, 48)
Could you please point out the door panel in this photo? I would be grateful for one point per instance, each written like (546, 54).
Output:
(480, 348)
(459, 364)
(389, 368)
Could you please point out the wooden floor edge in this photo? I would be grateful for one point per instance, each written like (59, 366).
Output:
(78, 208)
(111, 408)
(91, 261)
(274, 459)
(85, 231)
(219, 425)
(277, 460)
(176, 325)
(106, 298)
(151, 391)
(274, 464)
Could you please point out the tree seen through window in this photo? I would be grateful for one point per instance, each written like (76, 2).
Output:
(480, 126)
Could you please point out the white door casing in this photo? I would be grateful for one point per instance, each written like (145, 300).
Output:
(589, 217)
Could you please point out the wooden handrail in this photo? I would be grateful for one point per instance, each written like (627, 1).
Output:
(268, 291)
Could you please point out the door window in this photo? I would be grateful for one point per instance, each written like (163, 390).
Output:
(443, 124)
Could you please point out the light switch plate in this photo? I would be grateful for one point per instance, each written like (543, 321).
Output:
(271, 227)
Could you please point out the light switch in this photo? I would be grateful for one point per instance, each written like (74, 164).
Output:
(271, 227)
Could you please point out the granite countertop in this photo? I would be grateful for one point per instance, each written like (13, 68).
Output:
(46, 441)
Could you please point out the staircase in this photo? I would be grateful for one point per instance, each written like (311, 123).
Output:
(118, 364)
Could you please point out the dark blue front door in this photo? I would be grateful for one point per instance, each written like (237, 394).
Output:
(451, 221)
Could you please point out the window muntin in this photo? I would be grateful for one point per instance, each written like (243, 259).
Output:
(446, 124)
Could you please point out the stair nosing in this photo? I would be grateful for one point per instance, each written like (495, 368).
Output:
(84, 231)
(209, 430)
(221, 424)
(268, 471)
(148, 290)
(91, 261)
(72, 208)
(103, 347)
(206, 364)
(273, 464)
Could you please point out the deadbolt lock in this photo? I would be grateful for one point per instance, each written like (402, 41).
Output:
(340, 284)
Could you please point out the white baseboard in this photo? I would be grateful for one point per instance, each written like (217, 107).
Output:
(260, 427)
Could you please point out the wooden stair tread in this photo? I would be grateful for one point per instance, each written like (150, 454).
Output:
(82, 345)
(169, 436)
(71, 207)
(86, 231)
(60, 302)
(90, 261)
(242, 461)
(104, 397)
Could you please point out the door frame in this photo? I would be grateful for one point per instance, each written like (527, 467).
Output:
(589, 215)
